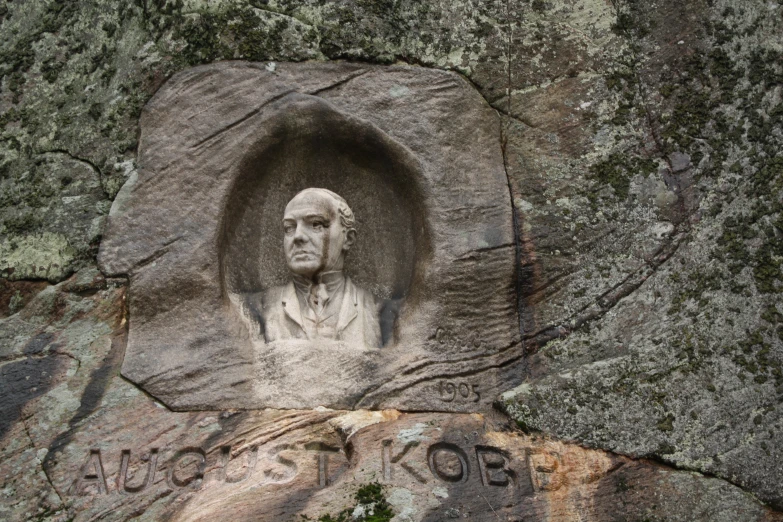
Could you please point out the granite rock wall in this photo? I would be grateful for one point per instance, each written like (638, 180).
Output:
(643, 147)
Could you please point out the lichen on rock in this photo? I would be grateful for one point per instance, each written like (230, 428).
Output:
(642, 143)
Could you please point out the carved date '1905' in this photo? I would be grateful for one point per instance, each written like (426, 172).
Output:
(449, 391)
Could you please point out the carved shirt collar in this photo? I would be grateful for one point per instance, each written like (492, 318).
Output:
(332, 281)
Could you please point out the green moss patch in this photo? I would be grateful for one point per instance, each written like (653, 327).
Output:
(371, 506)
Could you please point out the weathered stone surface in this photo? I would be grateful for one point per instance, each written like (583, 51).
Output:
(649, 203)
(71, 203)
(602, 102)
(57, 356)
(417, 156)
(284, 466)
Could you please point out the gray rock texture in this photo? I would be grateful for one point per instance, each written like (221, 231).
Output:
(642, 145)
(654, 251)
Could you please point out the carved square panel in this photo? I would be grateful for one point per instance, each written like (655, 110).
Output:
(389, 282)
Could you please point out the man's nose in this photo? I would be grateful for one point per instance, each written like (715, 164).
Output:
(299, 235)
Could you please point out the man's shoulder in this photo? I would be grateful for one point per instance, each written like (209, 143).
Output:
(264, 299)
(363, 296)
(273, 295)
(273, 291)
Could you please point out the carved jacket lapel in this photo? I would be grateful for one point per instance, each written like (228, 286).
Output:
(349, 306)
(291, 304)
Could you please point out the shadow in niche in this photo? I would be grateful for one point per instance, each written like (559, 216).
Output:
(313, 145)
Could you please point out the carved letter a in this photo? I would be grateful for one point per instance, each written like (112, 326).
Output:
(91, 474)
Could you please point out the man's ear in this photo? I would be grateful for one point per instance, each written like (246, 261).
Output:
(350, 238)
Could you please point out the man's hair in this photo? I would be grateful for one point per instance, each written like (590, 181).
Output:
(347, 218)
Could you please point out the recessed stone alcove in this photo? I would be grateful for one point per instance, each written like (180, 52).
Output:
(414, 152)
(310, 144)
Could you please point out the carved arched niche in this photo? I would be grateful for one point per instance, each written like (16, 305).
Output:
(313, 145)
(415, 152)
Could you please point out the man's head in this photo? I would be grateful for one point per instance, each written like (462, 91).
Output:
(319, 229)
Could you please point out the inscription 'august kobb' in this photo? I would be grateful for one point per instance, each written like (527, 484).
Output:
(322, 464)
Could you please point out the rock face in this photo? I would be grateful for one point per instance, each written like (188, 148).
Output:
(639, 147)
(416, 153)
(124, 455)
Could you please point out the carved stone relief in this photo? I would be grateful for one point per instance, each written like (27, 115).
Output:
(320, 303)
(333, 235)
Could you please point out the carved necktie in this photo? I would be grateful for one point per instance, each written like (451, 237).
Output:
(317, 298)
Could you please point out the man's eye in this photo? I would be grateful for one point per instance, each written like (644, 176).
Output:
(288, 229)
(318, 225)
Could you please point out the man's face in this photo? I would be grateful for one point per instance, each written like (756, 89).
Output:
(315, 240)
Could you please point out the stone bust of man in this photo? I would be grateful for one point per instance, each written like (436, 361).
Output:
(320, 302)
